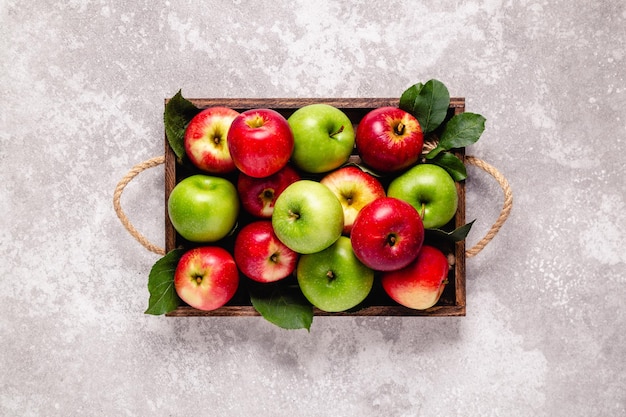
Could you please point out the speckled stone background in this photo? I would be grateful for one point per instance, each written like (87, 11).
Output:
(82, 85)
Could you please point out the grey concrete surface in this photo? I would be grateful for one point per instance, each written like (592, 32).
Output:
(83, 84)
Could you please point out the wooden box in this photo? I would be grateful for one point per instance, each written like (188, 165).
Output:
(452, 301)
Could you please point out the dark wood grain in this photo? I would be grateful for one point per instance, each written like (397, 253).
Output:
(170, 182)
(229, 310)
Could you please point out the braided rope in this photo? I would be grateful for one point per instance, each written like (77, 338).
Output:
(117, 195)
(506, 208)
(159, 160)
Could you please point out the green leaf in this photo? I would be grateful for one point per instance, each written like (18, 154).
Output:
(428, 102)
(284, 306)
(178, 113)
(409, 97)
(452, 164)
(457, 235)
(461, 130)
(365, 169)
(163, 297)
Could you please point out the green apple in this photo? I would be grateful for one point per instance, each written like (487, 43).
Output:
(431, 190)
(334, 279)
(323, 137)
(307, 217)
(203, 208)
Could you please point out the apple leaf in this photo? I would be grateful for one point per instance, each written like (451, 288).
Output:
(177, 115)
(284, 306)
(163, 297)
(364, 168)
(456, 235)
(427, 102)
(461, 130)
(452, 164)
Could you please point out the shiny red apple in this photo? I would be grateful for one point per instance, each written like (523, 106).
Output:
(205, 140)
(419, 285)
(206, 277)
(260, 255)
(258, 195)
(387, 234)
(260, 142)
(355, 189)
(389, 139)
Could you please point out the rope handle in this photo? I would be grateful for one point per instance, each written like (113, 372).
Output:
(117, 195)
(159, 160)
(506, 207)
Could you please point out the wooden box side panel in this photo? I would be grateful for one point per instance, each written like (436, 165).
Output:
(355, 108)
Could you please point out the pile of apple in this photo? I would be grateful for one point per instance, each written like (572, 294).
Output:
(311, 213)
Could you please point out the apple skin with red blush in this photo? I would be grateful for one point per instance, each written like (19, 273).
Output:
(355, 189)
(387, 234)
(258, 195)
(420, 284)
(261, 256)
(389, 139)
(205, 140)
(206, 277)
(260, 142)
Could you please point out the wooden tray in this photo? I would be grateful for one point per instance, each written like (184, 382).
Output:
(452, 301)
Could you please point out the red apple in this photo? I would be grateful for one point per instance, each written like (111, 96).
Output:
(260, 255)
(355, 189)
(420, 284)
(206, 277)
(206, 142)
(260, 142)
(387, 234)
(258, 195)
(389, 139)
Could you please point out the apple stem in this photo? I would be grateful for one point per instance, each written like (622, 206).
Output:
(330, 275)
(332, 135)
(256, 121)
(293, 215)
(423, 212)
(267, 194)
(274, 258)
(399, 129)
(391, 240)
